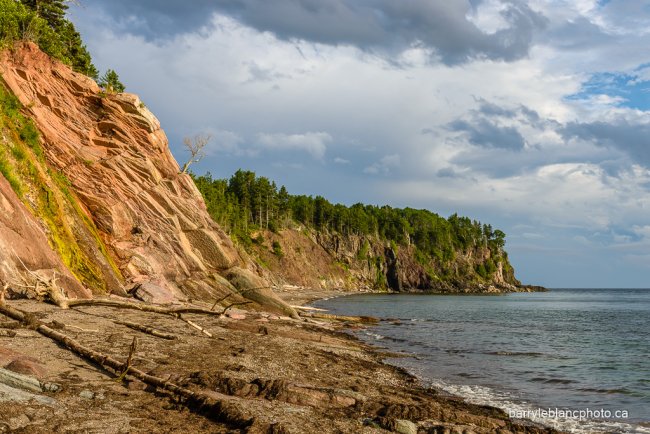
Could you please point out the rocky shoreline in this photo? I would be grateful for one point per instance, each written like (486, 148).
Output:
(273, 374)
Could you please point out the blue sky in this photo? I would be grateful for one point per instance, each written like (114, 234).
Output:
(533, 116)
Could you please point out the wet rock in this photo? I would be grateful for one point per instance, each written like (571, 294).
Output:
(254, 288)
(27, 366)
(152, 293)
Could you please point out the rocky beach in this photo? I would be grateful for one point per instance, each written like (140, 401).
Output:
(263, 373)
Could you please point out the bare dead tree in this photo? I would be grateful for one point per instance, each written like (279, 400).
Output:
(196, 147)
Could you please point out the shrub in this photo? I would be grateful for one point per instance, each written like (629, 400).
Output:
(277, 249)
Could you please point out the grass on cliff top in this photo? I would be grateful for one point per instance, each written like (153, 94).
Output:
(45, 192)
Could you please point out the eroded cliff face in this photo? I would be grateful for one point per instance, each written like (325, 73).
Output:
(326, 260)
(146, 222)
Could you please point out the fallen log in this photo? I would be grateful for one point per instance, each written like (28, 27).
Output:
(173, 311)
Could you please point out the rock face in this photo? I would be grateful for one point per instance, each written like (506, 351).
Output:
(334, 261)
(150, 217)
(24, 246)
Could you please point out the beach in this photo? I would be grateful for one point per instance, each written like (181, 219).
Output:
(267, 373)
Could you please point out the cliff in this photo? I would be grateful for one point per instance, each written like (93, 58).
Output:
(326, 260)
(97, 200)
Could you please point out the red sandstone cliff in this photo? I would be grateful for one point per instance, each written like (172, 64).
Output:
(147, 223)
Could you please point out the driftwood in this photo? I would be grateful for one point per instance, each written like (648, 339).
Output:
(129, 360)
(46, 288)
(359, 319)
(148, 330)
(196, 326)
(220, 409)
(7, 333)
(173, 311)
(309, 308)
(176, 312)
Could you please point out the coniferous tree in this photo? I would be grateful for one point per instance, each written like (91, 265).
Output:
(53, 11)
(111, 83)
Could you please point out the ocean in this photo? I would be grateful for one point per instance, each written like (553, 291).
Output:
(574, 359)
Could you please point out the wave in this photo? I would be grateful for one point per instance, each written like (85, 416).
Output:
(552, 380)
(515, 353)
(621, 391)
(481, 395)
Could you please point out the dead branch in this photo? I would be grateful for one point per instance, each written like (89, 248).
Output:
(173, 311)
(223, 410)
(241, 303)
(129, 360)
(51, 288)
(148, 330)
(195, 147)
(221, 299)
(196, 326)
(9, 325)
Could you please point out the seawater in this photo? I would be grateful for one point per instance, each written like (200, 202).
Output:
(567, 349)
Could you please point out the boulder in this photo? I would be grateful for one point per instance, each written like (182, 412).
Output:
(155, 294)
(27, 366)
(254, 288)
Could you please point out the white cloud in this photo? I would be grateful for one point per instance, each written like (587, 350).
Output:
(384, 165)
(288, 100)
(314, 144)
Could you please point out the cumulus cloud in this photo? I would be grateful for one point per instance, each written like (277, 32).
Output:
(442, 27)
(384, 165)
(315, 144)
(633, 138)
(485, 133)
(503, 110)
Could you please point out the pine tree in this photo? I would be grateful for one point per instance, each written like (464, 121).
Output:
(111, 83)
(53, 11)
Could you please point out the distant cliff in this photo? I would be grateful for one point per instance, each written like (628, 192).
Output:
(307, 241)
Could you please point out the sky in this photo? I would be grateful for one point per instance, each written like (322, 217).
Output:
(533, 116)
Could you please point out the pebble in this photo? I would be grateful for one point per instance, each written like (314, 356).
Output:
(405, 427)
(87, 394)
(18, 422)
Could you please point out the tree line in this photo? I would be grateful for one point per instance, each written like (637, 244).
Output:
(247, 202)
(44, 22)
